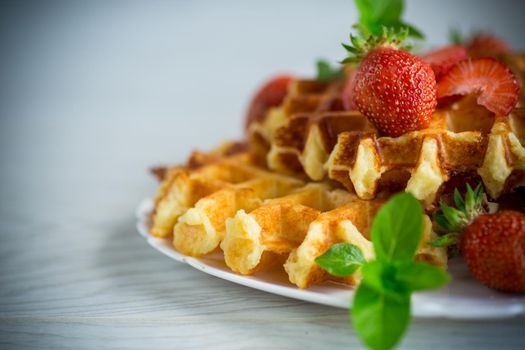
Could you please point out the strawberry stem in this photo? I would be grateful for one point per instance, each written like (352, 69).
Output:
(453, 221)
(360, 46)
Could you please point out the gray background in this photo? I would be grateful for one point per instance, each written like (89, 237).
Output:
(91, 94)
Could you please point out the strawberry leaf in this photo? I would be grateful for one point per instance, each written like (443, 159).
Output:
(390, 36)
(442, 221)
(458, 200)
(341, 260)
(467, 209)
(446, 240)
(453, 216)
(470, 199)
(479, 194)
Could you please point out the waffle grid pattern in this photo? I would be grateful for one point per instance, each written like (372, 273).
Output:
(260, 218)
(311, 134)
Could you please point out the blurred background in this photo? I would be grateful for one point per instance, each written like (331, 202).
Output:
(95, 92)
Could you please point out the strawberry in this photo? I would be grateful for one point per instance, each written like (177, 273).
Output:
(487, 45)
(493, 245)
(441, 60)
(494, 249)
(395, 90)
(492, 81)
(271, 94)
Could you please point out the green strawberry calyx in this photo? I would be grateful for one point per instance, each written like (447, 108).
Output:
(360, 46)
(452, 221)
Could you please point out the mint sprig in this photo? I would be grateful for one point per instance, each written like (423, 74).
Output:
(380, 310)
(397, 229)
(325, 72)
(375, 14)
(380, 319)
(341, 259)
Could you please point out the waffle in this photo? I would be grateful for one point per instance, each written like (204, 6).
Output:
(312, 134)
(260, 218)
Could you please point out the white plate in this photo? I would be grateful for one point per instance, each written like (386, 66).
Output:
(464, 298)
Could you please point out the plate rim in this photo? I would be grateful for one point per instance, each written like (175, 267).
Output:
(421, 308)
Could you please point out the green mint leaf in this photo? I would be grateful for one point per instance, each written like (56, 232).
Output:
(379, 319)
(413, 31)
(379, 11)
(381, 276)
(326, 73)
(341, 260)
(415, 276)
(374, 14)
(397, 228)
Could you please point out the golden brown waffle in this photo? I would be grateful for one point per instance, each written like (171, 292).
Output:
(261, 218)
(312, 134)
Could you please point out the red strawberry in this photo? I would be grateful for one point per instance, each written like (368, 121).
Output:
(441, 60)
(271, 94)
(487, 45)
(395, 90)
(494, 249)
(492, 81)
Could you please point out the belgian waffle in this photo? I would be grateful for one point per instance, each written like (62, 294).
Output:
(261, 218)
(312, 134)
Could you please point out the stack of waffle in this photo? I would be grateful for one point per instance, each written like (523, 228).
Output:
(315, 175)
(311, 134)
(261, 218)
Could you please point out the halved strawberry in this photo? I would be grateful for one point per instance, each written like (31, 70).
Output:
(487, 45)
(492, 81)
(441, 60)
(271, 94)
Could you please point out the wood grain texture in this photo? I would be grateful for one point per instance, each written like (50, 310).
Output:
(92, 282)
(93, 95)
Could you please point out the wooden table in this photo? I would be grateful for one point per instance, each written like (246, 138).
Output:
(90, 98)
